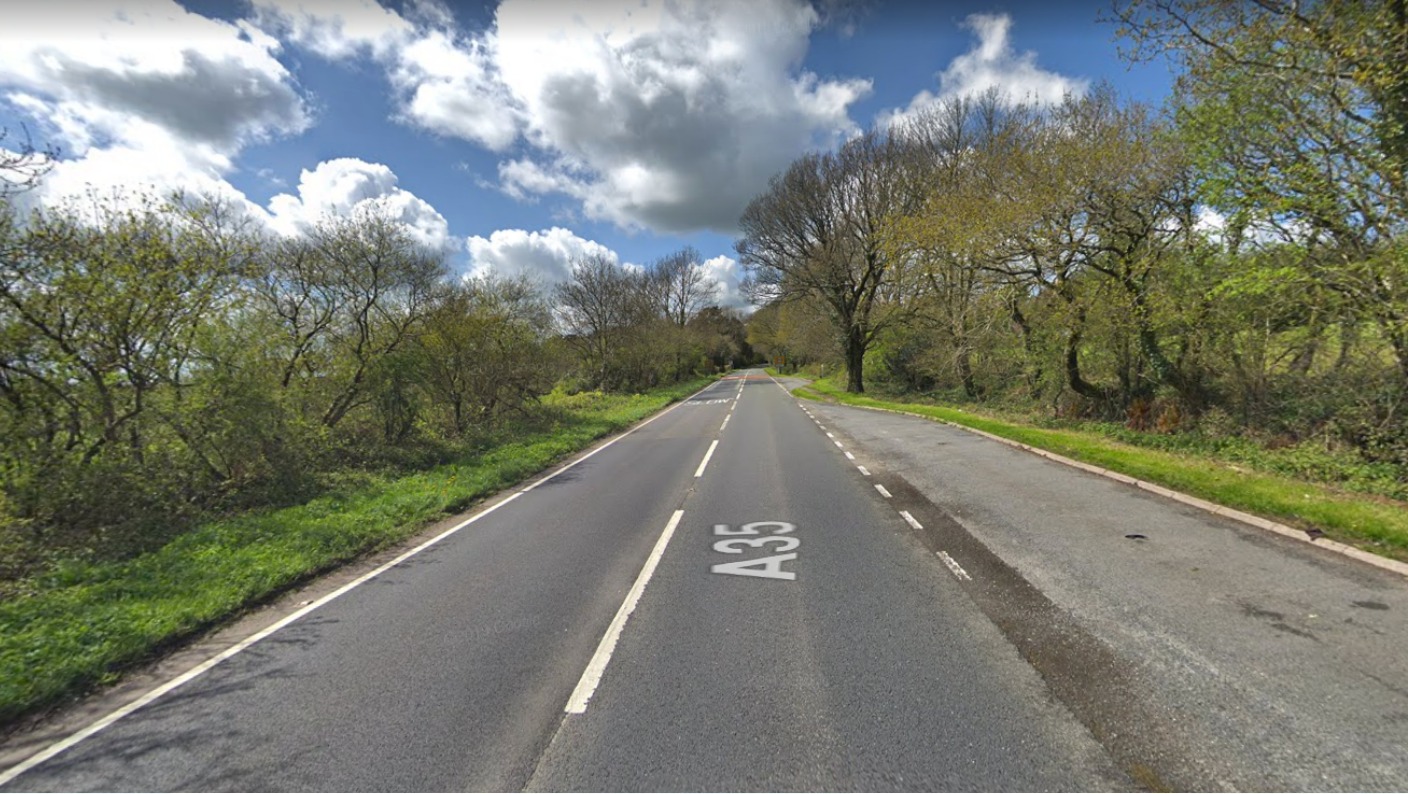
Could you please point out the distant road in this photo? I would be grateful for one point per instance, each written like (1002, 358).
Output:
(749, 593)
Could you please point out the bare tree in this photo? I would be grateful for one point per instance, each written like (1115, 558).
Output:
(818, 232)
(683, 286)
(21, 170)
(599, 307)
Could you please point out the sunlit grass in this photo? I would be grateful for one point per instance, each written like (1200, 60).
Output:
(1377, 525)
(85, 622)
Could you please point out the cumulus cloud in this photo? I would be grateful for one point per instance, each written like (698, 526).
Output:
(145, 99)
(347, 185)
(444, 81)
(726, 272)
(994, 64)
(545, 256)
(120, 74)
(667, 116)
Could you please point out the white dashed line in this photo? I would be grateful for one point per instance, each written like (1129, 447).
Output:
(954, 566)
(586, 685)
(864, 470)
(838, 444)
(883, 492)
(911, 520)
(699, 472)
(829, 435)
(849, 456)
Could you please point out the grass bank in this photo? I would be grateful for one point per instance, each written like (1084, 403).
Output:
(1378, 525)
(84, 623)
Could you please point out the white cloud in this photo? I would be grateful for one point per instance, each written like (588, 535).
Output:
(144, 99)
(346, 185)
(149, 74)
(725, 271)
(993, 64)
(336, 28)
(448, 86)
(668, 116)
(545, 256)
(444, 81)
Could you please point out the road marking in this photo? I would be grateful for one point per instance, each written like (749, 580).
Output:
(849, 456)
(829, 435)
(586, 685)
(910, 519)
(107, 720)
(882, 490)
(725, 424)
(839, 445)
(954, 566)
(864, 470)
(699, 472)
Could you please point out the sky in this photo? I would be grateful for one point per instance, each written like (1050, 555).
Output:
(514, 135)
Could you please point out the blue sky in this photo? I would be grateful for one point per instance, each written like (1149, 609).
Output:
(516, 135)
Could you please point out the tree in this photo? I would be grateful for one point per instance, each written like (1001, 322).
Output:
(600, 307)
(818, 233)
(683, 286)
(1297, 116)
(483, 350)
(22, 170)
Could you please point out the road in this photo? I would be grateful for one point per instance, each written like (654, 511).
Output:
(751, 593)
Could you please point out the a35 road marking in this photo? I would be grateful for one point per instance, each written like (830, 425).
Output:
(779, 537)
(699, 472)
(591, 677)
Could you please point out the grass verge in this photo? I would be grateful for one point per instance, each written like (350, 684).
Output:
(1376, 525)
(87, 622)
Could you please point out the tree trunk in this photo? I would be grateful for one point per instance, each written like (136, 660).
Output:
(855, 360)
(965, 373)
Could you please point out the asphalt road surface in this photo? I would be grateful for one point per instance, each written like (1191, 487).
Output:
(750, 593)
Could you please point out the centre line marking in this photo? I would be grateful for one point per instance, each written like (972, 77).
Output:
(699, 472)
(910, 519)
(864, 470)
(725, 424)
(882, 490)
(586, 685)
(954, 566)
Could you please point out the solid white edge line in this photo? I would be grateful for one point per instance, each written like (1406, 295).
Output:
(911, 519)
(864, 470)
(102, 723)
(699, 472)
(195, 672)
(883, 492)
(591, 676)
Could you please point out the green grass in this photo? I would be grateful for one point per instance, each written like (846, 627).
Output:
(86, 622)
(1376, 525)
